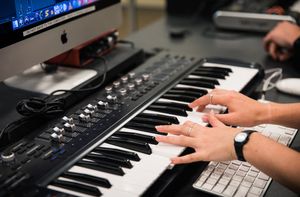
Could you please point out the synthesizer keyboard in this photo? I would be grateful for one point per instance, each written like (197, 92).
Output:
(105, 145)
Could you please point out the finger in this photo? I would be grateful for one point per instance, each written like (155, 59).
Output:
(217, 99)
(193, 157)
(272, 50)
(173, 129)
(284, 56)
(227, 119)
(214, 121)
(176, 140)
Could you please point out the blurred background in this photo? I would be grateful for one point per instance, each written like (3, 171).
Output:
(140, 13)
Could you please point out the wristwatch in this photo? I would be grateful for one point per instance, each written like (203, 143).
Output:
(239, 141)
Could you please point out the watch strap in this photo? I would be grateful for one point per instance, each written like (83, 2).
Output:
(239, 145)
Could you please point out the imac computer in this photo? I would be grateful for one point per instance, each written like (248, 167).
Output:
(33, 31)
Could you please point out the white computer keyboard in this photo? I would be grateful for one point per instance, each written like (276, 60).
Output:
(239, 179)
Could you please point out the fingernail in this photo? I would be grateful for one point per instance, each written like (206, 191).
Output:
(158, 127)
(205, 118)
(212, 112)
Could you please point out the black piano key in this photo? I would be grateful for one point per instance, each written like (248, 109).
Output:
(173, 104)
(168, 110)
(137, 136)
(206, 80)
(118, 153)
(138, 146)
(86, 189)
(209, 74)
(197, 84)
(215, 69)
(150, 121)
(112, 169)
(178, 97)
(171, 119)
(184, 92)
(102, 182)
(201, 92)
(105, 159)
(143, 127)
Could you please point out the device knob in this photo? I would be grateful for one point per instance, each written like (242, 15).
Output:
(112, 98)
(92, 107)
(131, 75)
(103, 105)
(108, 89)
(116, 84)
(123, 91)
(124, 79)
(138, 81)
(131, 86)
(145, 77)
(69, 127)
(8, 156)
(84, 118)
(57, 137)
(67, 119)
(89, 112)
(59, 130)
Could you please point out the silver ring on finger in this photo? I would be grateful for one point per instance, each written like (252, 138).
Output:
(210, 98)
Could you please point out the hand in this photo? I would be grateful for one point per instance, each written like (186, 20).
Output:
(242, 110)
(210, 144)
(279, 41)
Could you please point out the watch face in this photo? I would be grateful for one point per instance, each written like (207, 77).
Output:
(240, 137)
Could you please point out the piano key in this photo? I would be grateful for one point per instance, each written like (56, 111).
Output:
(202, 79)
(197, 84)
(118, 153)
(162, 149)
(137, 136)
(208, 67)
(185, 92)
(209, 74)
(105, 159)
(90, 190)
(173, 104)
(113, 169)
(179, 97)
(150, 121)
(146, 127)
(104, 191)
(194, 90)
(130, 144)
(171, 119)
(102, 182)
(167, 109)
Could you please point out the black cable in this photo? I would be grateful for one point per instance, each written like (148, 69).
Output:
(47, 107)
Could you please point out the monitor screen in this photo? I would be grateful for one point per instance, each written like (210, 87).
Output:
(33, 31)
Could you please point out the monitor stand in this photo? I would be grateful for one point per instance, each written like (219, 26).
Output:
(35, 79)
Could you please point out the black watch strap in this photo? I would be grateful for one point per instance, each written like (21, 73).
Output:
(239, 145)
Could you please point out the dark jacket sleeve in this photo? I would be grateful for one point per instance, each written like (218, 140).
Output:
(297, 47)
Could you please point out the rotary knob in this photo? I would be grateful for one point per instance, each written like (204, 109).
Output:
(138, 81)
(91, 107)
(8, 156)
(145, 77)
(108, 89)
(116, 84)
(123, 91)
(89, 112)
(131, 86)
(124, 79)
(131, 75)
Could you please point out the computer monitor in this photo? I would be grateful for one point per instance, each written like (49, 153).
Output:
(33, 31)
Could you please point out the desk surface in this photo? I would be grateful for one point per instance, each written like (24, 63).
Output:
(203, 40)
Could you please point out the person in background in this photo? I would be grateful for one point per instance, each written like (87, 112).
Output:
(283, 41)
(217, 143)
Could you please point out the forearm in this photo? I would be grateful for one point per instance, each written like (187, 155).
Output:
(276, 160)
(282, 114)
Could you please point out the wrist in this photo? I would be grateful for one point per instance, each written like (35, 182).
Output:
(264, 114)
(240, 140)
